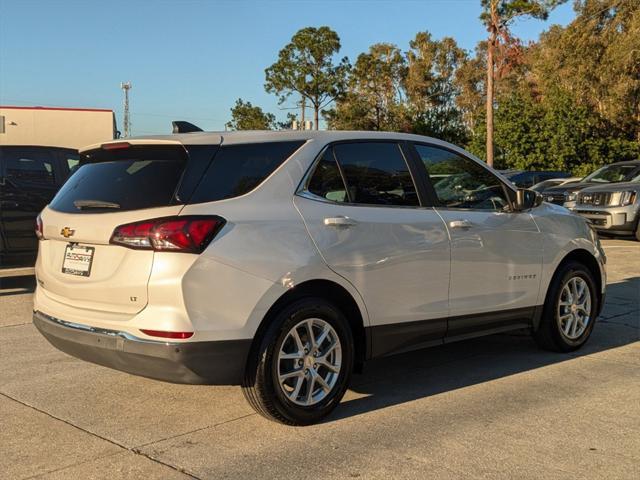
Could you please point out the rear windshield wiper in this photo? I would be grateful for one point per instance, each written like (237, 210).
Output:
(81, 204)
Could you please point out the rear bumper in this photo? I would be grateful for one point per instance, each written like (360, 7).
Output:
(211, 363)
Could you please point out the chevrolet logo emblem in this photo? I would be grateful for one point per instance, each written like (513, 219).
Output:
(67, 232)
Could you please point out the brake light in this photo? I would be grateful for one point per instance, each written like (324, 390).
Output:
(115, 146)
(190, 234)
(39, 228)
(163, 334)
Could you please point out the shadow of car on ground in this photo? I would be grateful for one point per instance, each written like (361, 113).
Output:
(424, 373)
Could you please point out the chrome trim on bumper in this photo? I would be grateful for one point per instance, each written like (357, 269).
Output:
(102, 331)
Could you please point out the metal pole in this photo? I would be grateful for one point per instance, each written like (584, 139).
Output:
(126, 124)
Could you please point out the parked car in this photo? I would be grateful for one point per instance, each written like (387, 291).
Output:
(554, 182)
(529, 178)
(29, 178)
(614, 173)
(283, 261)
(614, 209)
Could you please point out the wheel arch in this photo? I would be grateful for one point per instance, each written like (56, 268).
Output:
(586, 258)
(336, 294)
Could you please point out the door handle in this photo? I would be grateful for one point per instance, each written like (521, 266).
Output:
(464, 224)
(339, 221)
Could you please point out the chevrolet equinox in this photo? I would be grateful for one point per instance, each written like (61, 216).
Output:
(282, 261)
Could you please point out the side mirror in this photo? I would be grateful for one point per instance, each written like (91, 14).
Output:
(527, 199)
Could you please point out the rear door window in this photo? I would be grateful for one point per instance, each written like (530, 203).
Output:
(128, 179)
(376, 173)
(238, 169)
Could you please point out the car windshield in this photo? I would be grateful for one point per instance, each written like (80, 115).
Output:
(613, 173)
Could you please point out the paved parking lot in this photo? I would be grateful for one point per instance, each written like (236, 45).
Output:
(495, 407)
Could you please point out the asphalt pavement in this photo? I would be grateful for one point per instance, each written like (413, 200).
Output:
(495, 407)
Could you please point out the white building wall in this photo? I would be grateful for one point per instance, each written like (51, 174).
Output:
(55, 127)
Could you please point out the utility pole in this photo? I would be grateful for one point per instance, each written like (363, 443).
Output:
(491, 48)
(126, 124)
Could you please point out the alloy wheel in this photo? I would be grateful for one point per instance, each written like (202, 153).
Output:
(309, 362)
(574, 308)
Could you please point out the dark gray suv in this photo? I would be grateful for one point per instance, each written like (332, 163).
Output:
(612, 208)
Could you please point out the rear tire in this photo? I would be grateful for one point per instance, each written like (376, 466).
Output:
(309, 344)
(637, 235)
(569, 312)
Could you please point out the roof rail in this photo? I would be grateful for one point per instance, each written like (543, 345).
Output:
(180, 126)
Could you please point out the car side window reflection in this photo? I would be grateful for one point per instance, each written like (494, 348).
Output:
(460, 182)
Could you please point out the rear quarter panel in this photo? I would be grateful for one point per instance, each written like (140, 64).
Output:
(263, 250)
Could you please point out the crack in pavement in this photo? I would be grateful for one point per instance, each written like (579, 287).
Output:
(16, 324)
(113, 442)
(215, 425)
(99, 457)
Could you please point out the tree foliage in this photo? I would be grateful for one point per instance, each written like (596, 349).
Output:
(413, 91)
(575, 104)
(432, 89)
(245, 116)
(570, 101)
(375, 97)
(305, 66)
(503, 50)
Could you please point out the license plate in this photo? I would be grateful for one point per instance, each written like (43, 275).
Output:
(78, 260)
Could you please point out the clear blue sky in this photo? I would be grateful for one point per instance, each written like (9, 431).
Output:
(191, 59)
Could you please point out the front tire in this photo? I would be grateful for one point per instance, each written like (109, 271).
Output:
(570, 308)
(301, 367)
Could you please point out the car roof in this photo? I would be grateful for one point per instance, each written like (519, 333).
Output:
(624, 162)
(247, 136)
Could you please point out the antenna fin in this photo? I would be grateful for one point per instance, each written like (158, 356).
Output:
(180, 126)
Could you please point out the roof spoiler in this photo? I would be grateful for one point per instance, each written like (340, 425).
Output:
(180, 126)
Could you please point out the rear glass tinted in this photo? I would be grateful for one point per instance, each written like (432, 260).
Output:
(238, 169)
(128, 179)
(28, 166)
(326, 181)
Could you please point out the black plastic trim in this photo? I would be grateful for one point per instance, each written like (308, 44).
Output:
(211, 363)
(390, 339)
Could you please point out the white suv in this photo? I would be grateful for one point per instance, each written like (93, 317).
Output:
(283, 261)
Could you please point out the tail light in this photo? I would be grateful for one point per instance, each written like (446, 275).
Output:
(190, 234)
(39, 228)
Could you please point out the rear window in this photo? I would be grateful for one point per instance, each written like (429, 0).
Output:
(28, 166)
(118, 180)
(238, 169)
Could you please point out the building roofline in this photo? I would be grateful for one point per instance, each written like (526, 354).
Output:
(12, 107)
